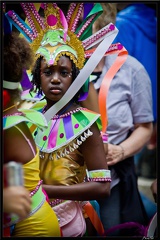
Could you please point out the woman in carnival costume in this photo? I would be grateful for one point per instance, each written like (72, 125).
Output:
(72, 144)
(19, 145)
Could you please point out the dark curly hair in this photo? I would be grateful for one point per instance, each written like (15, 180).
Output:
(17, 56)
(36, 78)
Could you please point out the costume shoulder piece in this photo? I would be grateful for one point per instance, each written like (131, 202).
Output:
(67, 131)
(25, 115)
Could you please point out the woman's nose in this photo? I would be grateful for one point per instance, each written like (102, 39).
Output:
(55, 78)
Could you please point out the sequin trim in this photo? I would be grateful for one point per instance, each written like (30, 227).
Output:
(100, 175)
(69, 148)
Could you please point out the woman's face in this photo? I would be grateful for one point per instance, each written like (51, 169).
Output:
(55, 80)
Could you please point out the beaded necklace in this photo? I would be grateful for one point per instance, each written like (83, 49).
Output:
(68, 113)
(14, 114)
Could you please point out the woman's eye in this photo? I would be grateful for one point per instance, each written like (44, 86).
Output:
(47, 72)
(64, 73)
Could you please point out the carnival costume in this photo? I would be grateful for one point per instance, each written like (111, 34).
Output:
(35, 224)
(41, 221)
(61, 162)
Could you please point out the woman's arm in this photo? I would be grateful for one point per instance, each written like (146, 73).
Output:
(19, 148)
(133, 144)
(94, 156)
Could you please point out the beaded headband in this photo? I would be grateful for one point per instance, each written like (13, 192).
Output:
(58, 35)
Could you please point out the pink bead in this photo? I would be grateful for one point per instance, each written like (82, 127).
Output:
(51, 20)
(111, 27)
(10, 13)
(120, 46)
(44, 138)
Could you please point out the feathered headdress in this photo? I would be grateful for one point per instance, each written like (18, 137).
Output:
(57, 35)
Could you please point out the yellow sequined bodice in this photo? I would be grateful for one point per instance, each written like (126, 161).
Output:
(44, 222)
(67, 170)
(31, 172)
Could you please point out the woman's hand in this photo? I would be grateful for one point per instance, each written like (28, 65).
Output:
(115, 154)
(16, 200)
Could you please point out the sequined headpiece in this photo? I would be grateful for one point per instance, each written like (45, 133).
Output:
(58, 35)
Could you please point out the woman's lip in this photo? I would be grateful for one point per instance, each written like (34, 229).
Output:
(55, 91)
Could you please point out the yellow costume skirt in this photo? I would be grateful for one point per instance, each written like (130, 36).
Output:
(38, 226)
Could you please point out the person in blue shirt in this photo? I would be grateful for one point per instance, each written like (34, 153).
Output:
(137, 25)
